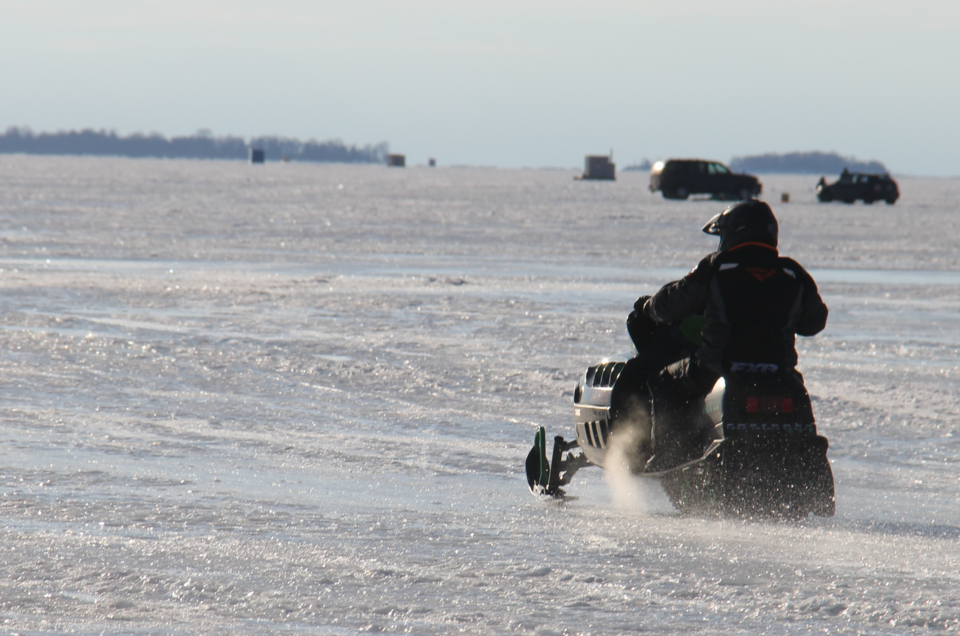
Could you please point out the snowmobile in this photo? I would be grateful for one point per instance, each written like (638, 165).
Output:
(752, 449)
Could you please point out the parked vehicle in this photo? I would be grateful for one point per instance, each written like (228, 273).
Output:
(858, 185)
(679, 178)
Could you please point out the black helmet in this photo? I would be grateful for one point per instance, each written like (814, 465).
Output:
(749, 221)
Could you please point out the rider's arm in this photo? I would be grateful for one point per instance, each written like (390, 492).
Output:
(813, 312)
(685, 297)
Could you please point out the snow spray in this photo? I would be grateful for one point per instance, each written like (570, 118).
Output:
(625, 458)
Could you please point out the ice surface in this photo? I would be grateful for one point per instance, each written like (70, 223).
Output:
(247, 399)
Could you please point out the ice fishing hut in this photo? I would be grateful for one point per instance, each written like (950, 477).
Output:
(397, 161)
(599, 167)
(432, 163)
(257, 155)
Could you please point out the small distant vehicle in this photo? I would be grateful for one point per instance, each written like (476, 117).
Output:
(859, 185)
(679, 178)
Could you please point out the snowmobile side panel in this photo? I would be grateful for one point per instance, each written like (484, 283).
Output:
(593, 428)
(695, 487)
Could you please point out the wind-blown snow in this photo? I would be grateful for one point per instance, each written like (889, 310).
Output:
(244, 399)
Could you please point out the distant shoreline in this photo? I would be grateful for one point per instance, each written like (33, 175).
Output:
(804, 163)
(814, 162)
(202, 145)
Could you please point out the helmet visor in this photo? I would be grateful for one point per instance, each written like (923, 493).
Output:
(713, 225)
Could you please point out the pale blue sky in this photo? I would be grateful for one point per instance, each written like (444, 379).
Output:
(536, 83)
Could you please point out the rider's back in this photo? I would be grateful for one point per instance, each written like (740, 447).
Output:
(756, 304)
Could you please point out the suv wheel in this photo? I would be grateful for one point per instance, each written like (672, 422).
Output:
(682, 193)
(745, 194)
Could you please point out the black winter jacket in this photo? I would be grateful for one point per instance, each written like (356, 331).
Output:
(755, 302)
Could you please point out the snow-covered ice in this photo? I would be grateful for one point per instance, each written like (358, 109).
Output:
(247, 399)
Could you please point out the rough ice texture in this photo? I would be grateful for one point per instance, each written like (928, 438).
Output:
(243, 399)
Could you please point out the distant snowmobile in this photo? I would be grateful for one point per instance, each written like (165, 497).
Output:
(755, 451)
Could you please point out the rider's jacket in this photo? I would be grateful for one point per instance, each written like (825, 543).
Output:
(755, 302)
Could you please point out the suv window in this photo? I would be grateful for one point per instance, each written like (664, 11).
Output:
(717, 168)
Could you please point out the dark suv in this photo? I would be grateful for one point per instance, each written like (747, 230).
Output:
(679, 178)
(858, 185)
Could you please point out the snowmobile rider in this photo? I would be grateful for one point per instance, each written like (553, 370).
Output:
(740, 308)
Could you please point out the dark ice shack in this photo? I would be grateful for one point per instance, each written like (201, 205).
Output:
(599, 167)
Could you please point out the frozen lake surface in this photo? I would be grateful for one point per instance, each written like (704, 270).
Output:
(248, 399)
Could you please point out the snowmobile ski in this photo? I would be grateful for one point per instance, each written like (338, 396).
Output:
(545, 477)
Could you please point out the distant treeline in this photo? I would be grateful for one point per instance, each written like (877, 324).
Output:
(202, 145)
(804, 163)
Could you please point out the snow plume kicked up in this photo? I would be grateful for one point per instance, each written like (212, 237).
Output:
(626, 455)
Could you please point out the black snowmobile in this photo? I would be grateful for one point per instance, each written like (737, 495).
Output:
(754, 449)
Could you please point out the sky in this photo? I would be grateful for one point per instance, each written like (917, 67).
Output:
(522, 83)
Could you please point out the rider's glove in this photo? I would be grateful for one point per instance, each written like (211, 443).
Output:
(639, 325)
